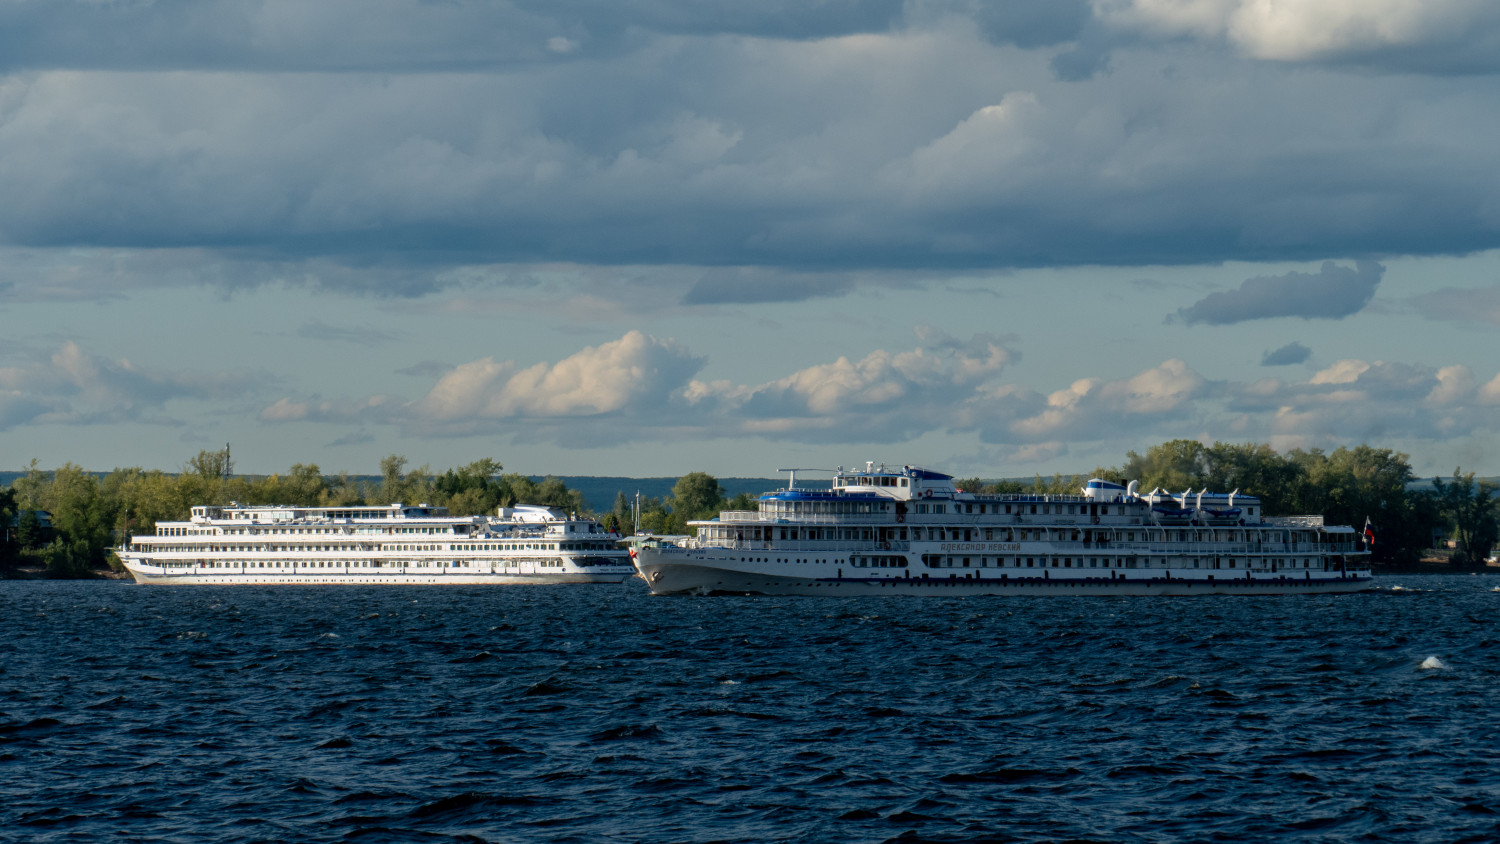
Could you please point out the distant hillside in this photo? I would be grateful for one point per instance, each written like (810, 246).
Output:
(599, 492)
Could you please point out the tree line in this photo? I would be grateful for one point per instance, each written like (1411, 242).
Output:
(89, 514)
(1345, 486)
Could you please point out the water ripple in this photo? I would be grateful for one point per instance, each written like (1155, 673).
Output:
(246, 714)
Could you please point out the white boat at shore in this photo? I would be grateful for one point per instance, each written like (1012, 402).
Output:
(909, 531)
(376, 545)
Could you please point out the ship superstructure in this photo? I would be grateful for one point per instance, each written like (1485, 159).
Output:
(909, 530)
(397, 543)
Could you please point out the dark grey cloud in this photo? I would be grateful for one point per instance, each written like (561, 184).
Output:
(748, 285)
(317, 329)
(712, 136)
(1453, 304)
(359, 437)
(390, 35)
(1287, 355)
(1333, 292)
(1017, 22)
(426, 369)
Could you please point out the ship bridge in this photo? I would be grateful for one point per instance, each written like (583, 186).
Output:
(905, 483)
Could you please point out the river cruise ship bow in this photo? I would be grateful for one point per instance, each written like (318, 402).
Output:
(910, 531)
(392, 544)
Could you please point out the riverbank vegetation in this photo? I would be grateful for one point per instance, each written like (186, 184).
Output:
(64, 521)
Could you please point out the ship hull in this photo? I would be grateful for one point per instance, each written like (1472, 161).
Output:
(209, 578)
(666, 577)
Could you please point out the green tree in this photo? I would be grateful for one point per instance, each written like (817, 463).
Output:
(470, 490)
(28, 530)
(68, 560)
(211, 464)
(1352, 484)
(393, 479)
(658, 518)
(204, 477)
(623, 512)
(302, 486)
(1058, 485)
(743, 501)
(400, 486)
(516, 489)
(9, 550)
(145, 498)
(1470, 510)
(83, 518)
(344, 491)
(972, 485)
(28, 488)
(1174, 466)
(697, 495)
(1254, 468)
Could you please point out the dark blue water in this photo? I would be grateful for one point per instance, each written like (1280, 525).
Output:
(601, 713)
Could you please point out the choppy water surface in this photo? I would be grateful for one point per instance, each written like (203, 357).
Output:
(600, 713)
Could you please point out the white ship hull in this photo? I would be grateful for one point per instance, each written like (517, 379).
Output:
(209, 577)
(669, 573)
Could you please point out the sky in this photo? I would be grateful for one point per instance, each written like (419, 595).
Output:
(648, 237)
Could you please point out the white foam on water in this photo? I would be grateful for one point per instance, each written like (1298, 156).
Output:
(1432, 663)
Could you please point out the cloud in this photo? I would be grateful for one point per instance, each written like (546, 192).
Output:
(1343, 372)
(1435, 35)
(747, 285)
(1089, 405)
(359, 437)
(425, 368)
(1489, 394)
(633, 372)
(374, 409)
(1454, 384)
(641, 388)
(1334, 292)
(362, 336)
(316, 145)
(75, 387)
(388, 35)
(883, 397)
(1452, 304)
(1355, 400)
(1287, 355)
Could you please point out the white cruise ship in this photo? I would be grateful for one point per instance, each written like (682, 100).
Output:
(909, 531)
(392, 544)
